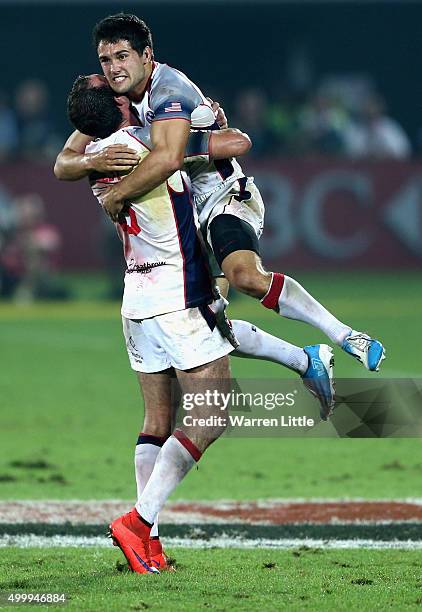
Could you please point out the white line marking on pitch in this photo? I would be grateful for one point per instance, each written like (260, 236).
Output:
(103, 511)
(34, 541)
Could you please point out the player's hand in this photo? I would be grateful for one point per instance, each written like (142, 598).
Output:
(114, 158)
(112, 203)
(220, 115)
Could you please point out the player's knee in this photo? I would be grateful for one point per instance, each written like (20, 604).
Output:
(249, 281)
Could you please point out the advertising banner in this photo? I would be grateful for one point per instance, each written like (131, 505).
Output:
(319, 214)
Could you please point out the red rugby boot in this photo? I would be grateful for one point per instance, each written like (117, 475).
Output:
(131, 535)
(159, 558)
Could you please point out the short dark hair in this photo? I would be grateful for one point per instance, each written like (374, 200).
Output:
(93, 110)
(123, 26)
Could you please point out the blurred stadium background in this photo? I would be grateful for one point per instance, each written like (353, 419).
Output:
(331, 95)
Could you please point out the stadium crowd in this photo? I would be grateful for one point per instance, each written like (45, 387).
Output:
(342, 116)
(29, 249)
(27, 130)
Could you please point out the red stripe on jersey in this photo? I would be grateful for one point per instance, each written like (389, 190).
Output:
(171, 119)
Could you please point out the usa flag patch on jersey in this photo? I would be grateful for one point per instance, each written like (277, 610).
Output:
(175, 107)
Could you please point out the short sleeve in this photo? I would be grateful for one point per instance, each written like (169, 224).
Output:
(174, 96)
(174, 106)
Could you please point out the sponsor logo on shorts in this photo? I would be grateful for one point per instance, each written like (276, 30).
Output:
(132, 347)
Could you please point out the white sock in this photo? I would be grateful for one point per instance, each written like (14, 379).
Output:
(296, 303)
(145, 456)
(173, 463)
(257, 344)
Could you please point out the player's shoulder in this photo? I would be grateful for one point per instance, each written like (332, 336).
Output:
(140, 134)
(164, 73)
(168, 79)
(128, 135)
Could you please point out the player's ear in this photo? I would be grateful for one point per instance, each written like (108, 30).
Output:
(148, 54)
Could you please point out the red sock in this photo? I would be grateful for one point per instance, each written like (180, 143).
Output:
(270, 299)
(188, 444)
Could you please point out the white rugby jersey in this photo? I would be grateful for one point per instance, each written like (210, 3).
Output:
(166, 270)
(170, 94)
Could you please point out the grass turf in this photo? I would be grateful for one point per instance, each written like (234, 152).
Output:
(71, 408)
(297, 579)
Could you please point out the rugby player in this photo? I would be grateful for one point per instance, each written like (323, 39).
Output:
(93, 108)
(229, 204)
(165, 99)
(168, 326)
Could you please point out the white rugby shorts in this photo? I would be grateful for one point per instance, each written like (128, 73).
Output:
(181, 339)
(251, 210)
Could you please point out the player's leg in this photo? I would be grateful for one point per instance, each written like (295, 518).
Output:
(157, 403)
(157, 427)
(158, 412)
(254, 343)
(186, 445)
(179, 453)
(185, 339)
(284, 295)
(235, 246)
(148, 359)
(140, 545)
(198, 352)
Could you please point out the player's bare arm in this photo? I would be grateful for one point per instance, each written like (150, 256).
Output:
(73, 163)
(169, 139)
(228, 143)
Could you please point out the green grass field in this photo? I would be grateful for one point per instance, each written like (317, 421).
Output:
(71, 412)
(71, 405)
(223, 580)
